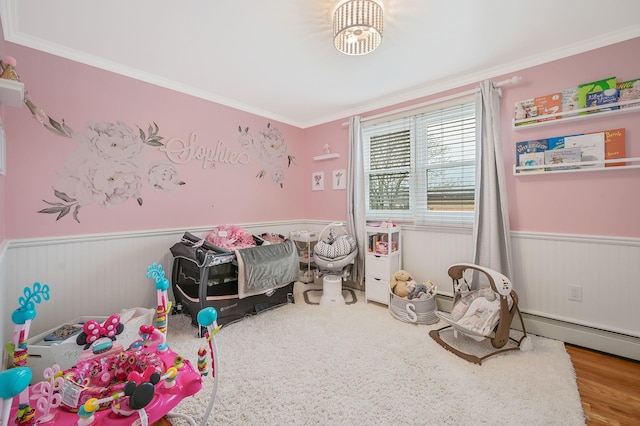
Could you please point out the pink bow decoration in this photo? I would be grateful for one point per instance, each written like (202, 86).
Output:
(138, 378)
(94, 330)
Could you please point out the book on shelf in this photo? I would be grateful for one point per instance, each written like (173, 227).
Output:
(525, 109)
(629, 91)
(531, 153)
(603, 97)
(569, 101)
(557, 142)
(562, 156)
(591, 145)
(595, 146)
(615, 146)
(593, 86)
(549, 104)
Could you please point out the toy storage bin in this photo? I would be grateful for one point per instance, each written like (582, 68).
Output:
(43, 354)
(414, 311)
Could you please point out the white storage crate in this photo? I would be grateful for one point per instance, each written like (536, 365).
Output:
(43, 354)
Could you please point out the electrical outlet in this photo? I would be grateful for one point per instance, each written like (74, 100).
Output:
(575, 293)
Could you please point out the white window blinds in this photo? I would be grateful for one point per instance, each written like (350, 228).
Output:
(421, 168)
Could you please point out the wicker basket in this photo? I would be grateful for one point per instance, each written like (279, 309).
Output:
(414, 311)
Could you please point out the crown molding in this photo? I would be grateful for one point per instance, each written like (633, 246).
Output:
(11, 34)
(434, 88)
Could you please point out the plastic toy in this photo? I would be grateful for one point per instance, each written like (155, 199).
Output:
(162, 284)
(12, 383)
(109, 385)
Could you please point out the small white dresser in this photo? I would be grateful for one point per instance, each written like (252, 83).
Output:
(382, 260)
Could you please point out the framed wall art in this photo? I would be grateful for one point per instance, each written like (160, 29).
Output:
(339, 179)
(317, 181)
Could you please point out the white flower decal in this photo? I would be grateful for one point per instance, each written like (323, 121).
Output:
(268, 147)
(105, 169)
(164, 176)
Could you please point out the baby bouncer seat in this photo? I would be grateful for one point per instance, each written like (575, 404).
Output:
(482, 310)
(334, 254)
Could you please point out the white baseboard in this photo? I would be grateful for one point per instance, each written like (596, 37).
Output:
(588, 337)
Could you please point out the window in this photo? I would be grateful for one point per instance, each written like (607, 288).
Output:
(420, 168)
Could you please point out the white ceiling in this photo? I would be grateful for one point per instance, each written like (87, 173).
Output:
(276, 58)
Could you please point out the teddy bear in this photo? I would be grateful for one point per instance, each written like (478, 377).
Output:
(399, 283)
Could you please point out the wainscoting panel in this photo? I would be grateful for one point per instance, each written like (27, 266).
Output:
(102, 274)
(606, 271)
(95, 274)
(427, 254)
(5, 304)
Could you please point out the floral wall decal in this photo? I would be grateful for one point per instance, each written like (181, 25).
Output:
(269, 148)
(106, 168)
(7, 67)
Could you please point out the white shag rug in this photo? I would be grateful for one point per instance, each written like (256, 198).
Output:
(304, 364)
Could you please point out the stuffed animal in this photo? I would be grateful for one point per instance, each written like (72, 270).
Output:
(418, 290)
(422, 291)
(399, 283)
(488, 293)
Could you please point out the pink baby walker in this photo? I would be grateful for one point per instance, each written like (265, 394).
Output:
(109, 385)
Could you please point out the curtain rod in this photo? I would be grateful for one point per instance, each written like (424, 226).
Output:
(512, 80)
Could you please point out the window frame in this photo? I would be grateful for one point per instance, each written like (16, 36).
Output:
(418, 212)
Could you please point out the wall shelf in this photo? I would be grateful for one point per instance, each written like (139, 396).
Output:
(635, 107)
(585, 166)
(11, 92)
(326, 156)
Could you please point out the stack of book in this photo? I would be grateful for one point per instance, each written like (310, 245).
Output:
(587, 150)
(586, 95)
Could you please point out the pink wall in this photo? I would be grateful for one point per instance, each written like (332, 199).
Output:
(80, 94)
(588, 203)
(591, 203)
(329, 204)
(594, 203)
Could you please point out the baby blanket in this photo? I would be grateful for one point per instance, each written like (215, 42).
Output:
(266, 267)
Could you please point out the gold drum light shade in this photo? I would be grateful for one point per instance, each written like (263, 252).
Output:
(357, 26)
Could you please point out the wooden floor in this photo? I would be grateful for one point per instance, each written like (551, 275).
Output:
(609, 387)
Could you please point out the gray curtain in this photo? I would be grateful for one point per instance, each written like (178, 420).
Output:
(491, 234)
(356, 223)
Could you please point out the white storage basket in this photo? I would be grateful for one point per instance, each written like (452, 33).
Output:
(414, 311)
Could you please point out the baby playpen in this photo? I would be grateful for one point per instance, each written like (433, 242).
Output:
(197, 261)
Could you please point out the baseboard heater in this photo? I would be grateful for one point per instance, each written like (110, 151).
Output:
(610, 342)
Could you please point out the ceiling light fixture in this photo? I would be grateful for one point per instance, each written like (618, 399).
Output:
(357, 26)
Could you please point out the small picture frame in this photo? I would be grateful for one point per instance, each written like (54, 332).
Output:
(317, 181)
(339, 179)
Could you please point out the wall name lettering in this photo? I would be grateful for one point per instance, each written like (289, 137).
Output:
(180, 152)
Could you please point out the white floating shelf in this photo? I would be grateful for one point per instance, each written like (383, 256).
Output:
(11, 92)
(631, 106)
(326, 156)
(585, 166)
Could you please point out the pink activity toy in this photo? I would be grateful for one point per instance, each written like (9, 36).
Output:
(109, 385)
